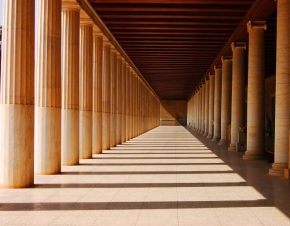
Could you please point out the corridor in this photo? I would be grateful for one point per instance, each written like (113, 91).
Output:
(167, 176)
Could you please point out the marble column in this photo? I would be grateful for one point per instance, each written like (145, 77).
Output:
(123, 84)
(256, 92)
(226, 97)
(17, 95)
(86, 86)
(97, 89)
(206, 108)
(106, 94)
(70, 83)
(47, 146)
(238, 92)
(113, 123)
(211, 105)
(202, 107)
(127, 100)
(217, 103)
(119, 99)
(199, 108)
(282, 114)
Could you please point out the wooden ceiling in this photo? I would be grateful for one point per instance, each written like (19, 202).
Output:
(175, 43)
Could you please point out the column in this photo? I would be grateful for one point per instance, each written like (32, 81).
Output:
(113, 122)
(97, 89)
(70, 83)
(106, 94)
(127, 100)
(202, 107)
(47, 146)
(256, 92)
(238, 92)
(226, 97)
(17, 95)
(86, 86)
(206, 108)
(211, 105)
(217, 103)
(123, 84)
(119, 99)
(282, 116)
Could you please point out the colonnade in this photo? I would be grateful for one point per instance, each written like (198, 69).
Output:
(70, 97)
(228, 86)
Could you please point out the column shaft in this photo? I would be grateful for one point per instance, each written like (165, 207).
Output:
(70, 83)
(256, 92)
(217, 104)
(47, 146)
(226, 97)
(211, 105)
(106, 94)
(119, 99)
(97, 90)
(206, 108)
(282, 114)
(113, 123)
(238, 92)
(17, 95)
(124, 104)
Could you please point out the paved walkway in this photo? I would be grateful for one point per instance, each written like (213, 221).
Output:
(167, 176)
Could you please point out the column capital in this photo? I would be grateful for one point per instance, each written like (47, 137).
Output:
(106, 42)
(225, 58)
(256, 24)
(238, 45)
(113, 49)
(70, 4)
(85, 19)
(97, 31)
(119, 56)
(210, 74)
(217, 67)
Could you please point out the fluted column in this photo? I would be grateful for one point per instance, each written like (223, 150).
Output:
(124, 104)
(226, 97)
(217, 103)
(131, 103)
(211, 105)
(127, 99)
(256, 92)
(199, 109)
(238, 91)
(17, 95)
(282, 114)
(206, 108)
(70, 82)
(47, 146)
(97, 89)
(202, 117)
(86, 86)
(113, 122)
(119, 100)
(106, 94)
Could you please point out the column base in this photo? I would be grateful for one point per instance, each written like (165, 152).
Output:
(254, 155)
(222, 142)
(201, 132)
(215, 139)
(278, 169)
(205, 134)
(232, 147)
(209, 136)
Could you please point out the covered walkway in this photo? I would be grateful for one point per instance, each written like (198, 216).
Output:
(167, 176)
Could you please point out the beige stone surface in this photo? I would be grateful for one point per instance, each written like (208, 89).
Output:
(226, 96)
(106, 95)
(119, 100)
(206, 108)
(123, 84)
(282, 116)
(97, 90)
(217, 104)
(256, 92)
(70, 83)
(47, 139)
(238, 111)
(17, 95)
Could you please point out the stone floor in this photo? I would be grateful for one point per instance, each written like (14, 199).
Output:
(167, 176)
